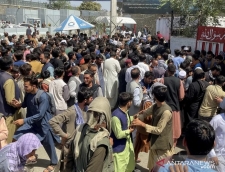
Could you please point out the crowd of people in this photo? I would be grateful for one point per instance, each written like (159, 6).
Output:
(102, 101)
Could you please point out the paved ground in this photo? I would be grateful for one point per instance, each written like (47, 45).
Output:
(43, 160)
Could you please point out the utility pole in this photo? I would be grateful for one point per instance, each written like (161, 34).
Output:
(113, 17)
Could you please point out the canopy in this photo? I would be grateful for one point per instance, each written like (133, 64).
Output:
(119, 20)
(72, 23)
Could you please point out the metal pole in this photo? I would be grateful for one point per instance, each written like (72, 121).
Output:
(171, 27)
(113, 17)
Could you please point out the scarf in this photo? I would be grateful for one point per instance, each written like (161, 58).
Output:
(101, 106)
(211, 75)
(19, 149)
(79, 118)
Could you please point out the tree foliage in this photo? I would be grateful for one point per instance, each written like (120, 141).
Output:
(90, 5)
(60, 4)
(201, 10)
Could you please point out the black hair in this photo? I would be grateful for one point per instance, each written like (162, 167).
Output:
(58, 72)
(220, 80)
(210, 52)
(32, 80)
(87, 59)
(45, 74)
(203, 52)
(25, 69)
(177, 52)
(18, 55)
(165, 56)
(124, 98)
(135, 73)
(15, 69)
(195, 56)
(55, 53)
(198, 74)
(99, 57)
(149, 74)
(171, 68)
(83, 53)
(84, 94)
(217, 68)
(5, 63)
(89, 72)
(93, 56)
(142, 57)
(199, 137)
(92, 49)
(28, 57)
(197, 52)
(4, 52)
(219, 57)
(46, 55)
(70, 55)
(160, 93)
(34, 56)
(135, 60)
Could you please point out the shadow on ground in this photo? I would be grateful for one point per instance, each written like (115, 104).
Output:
(141, 168)
(42, 163)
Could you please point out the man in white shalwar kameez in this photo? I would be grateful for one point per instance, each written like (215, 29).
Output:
(110, 71)
(217, 154)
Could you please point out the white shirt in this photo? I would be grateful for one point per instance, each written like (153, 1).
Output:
(218, 123)
(136, 99)
(128, 73)
(144, 66)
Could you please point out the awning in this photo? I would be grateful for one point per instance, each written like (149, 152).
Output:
(119, 20)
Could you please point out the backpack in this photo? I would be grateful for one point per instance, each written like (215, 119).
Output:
(51, 101)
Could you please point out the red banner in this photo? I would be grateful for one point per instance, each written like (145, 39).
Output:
(211, 34)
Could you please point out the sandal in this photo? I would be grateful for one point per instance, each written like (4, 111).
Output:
(50, 168)
(32, 161)
(138, 161)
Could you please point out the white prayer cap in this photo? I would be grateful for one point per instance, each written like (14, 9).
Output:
(182, 74)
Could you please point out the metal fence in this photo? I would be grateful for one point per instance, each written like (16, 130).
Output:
(24, 3)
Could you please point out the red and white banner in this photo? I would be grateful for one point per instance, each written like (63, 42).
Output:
(211, 39)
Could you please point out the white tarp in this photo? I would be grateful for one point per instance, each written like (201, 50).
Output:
(120, 20)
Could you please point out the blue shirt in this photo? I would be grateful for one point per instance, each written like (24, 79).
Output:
(177, 61)
(19, 63)
(37, 117)
(197, 65)
(193, 166)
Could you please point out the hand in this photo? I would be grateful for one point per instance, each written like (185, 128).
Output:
(144, 90)
(137, 122)
(131, 129)
(64, 140)
(215, 160)
(19, 122)
(218, 100)
(15, 103)
(178, 168)
(111, 141)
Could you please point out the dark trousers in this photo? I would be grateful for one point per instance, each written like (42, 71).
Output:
(48, 143)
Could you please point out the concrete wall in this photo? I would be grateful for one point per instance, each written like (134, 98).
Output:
(21, 31)
(178, 42)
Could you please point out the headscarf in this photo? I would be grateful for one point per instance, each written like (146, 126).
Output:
(98, 105)
(19, 149)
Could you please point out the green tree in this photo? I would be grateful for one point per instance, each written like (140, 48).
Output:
(60, 4)
(199, 10)
(89, 5)
(195, 13)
